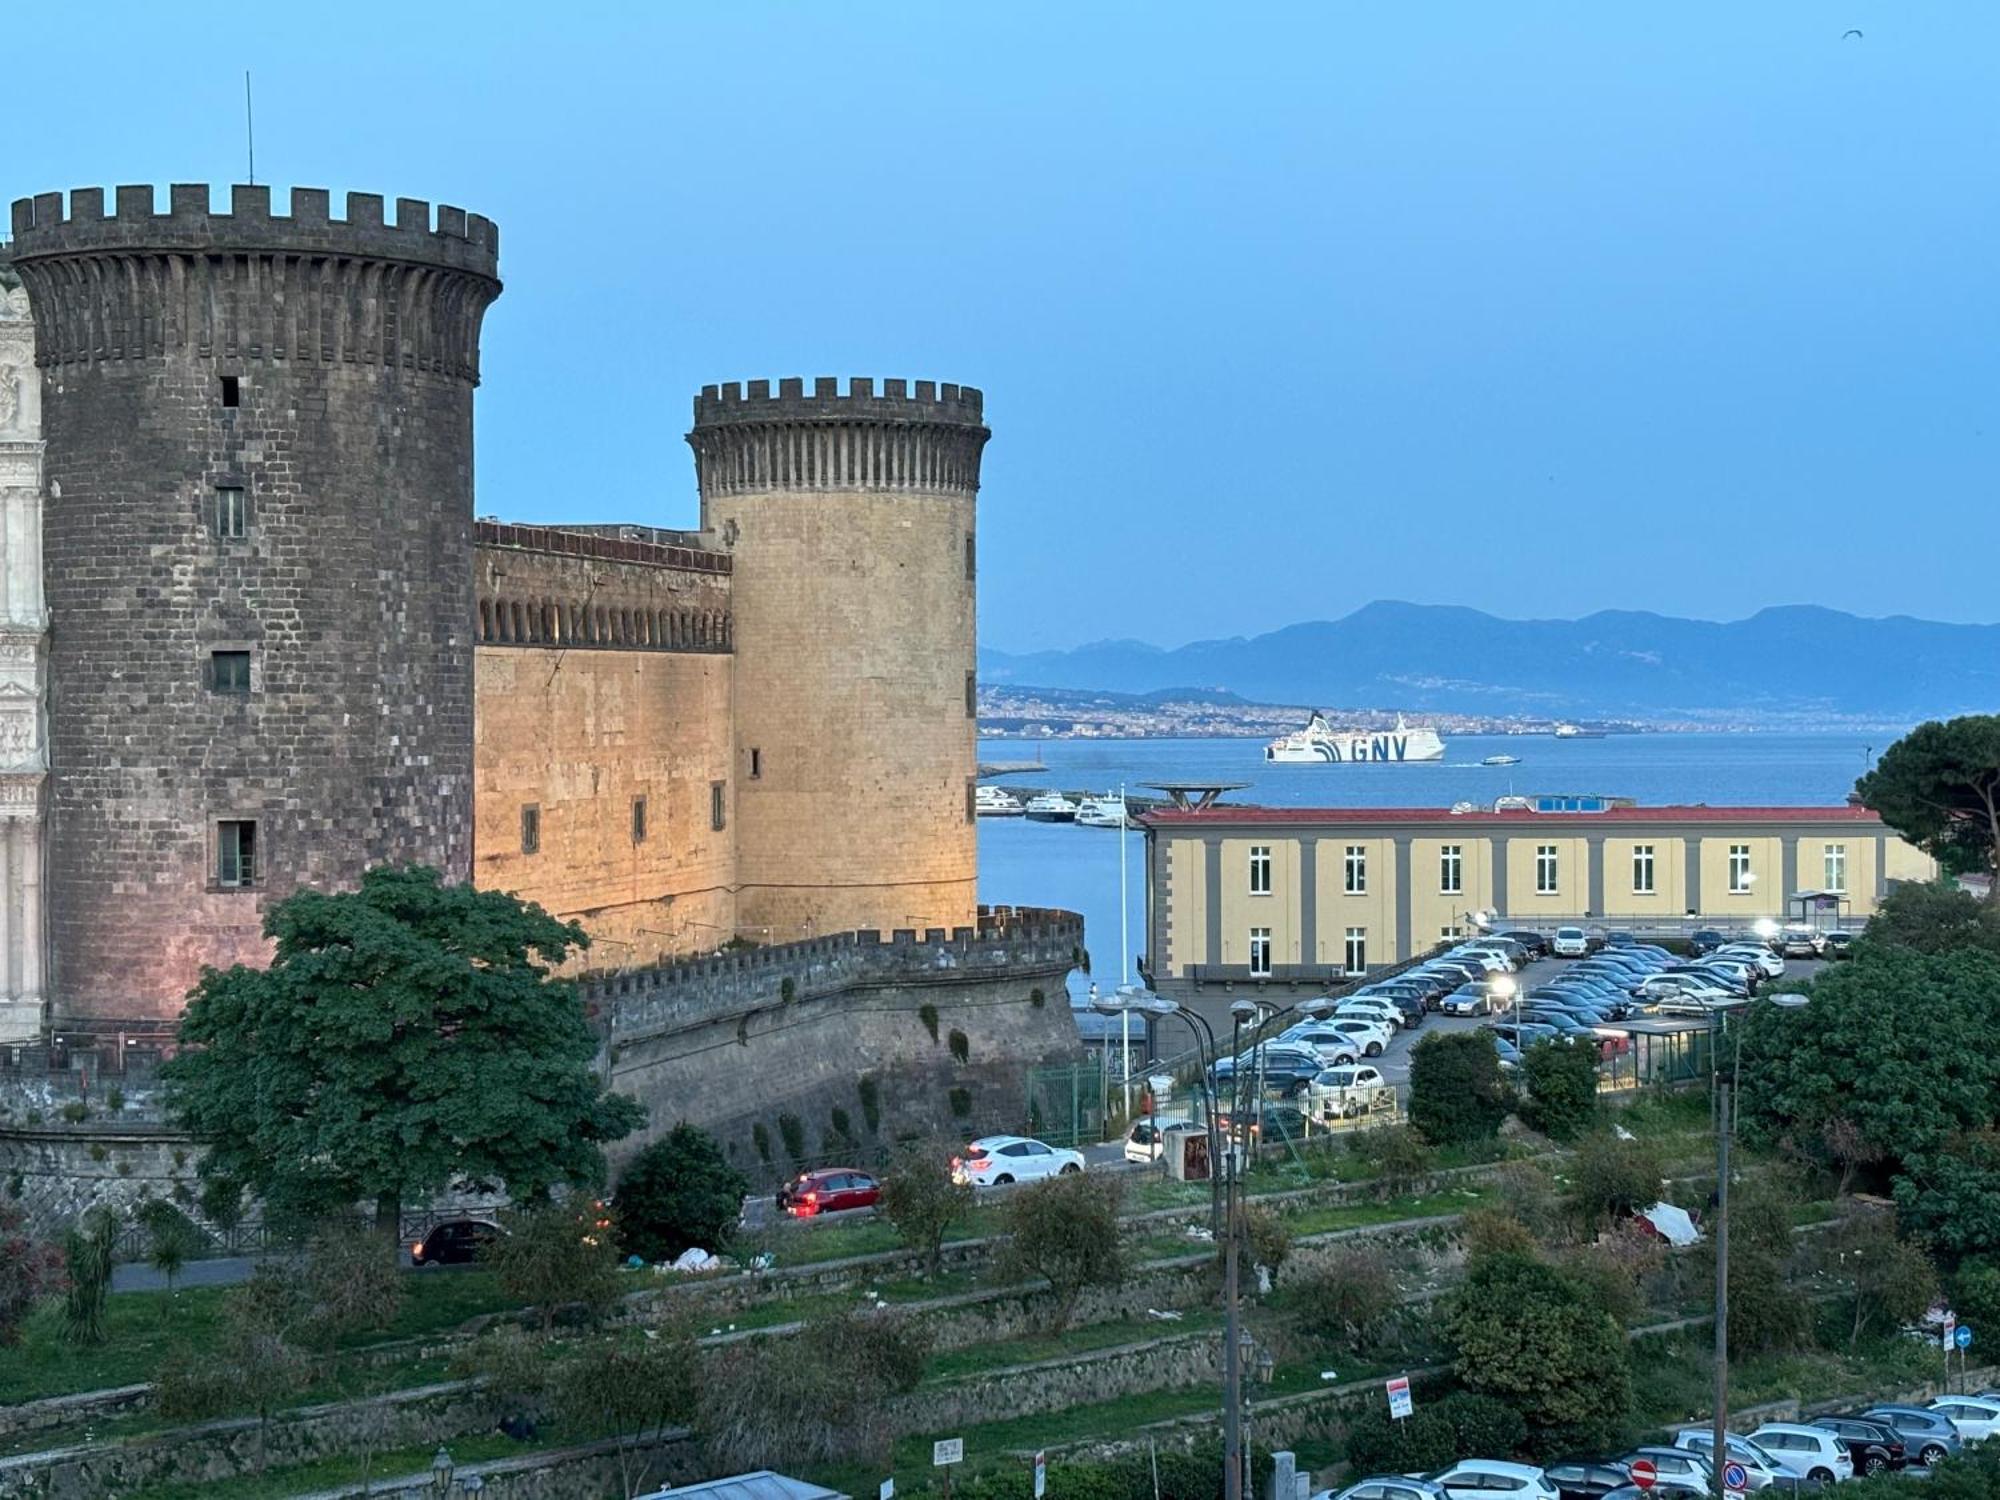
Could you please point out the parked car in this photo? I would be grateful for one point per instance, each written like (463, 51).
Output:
(1523, 1033)
(1768, 962)
(1928, 1434)
(1587, 1481)
(454, 1242)
(1621, 939)
(1510, 1055)
(996, 1160)
(1800, 945)
(1343, 1093)
(1975, 1417)
(1387, 1487)
(1537, 943)
(1282, 1122)
(1485, 1478)
(1837, 944)
(1570, 942)
(1409, 1003)
(1705, 940)
(1331, 1045)
(1282, 1065)
(1148, 1138)
(1761, 1468)
(1874, 1446)
(1468, 1000)
(1386, 1011)
(828, 1190)
(1373, 1037)
(1675, 1466)
(1806, 1452)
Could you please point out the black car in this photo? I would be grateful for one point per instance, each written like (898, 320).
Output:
(1871, 1442)
(1537, 943)
(455, 1242)
(1707, 940)
(1587, 1481)
(1621, 939)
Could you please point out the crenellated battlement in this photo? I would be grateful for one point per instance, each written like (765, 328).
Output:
(42, 225)
(911, 435)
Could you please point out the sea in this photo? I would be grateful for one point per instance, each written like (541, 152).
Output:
(1059, 864)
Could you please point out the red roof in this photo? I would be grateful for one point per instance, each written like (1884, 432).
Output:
(1845, 813)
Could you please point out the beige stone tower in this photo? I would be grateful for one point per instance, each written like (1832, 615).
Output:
(851, 521)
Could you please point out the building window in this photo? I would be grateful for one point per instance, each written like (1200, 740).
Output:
(972, 799)
(972, 695)
(971, 557)
(1357, 950)
(717, 811)
(1740, 878)
(236, 853)
(232, 513)
(1451, 870)
(756, 763)
(638, 820)
(1357, 870)
(229, 672)
(1260, 869)
(531, 829)
(1642, 870)
(1450, 933)
(1260, 952)
(1836, 869)
(232, 391)
(1546, 869)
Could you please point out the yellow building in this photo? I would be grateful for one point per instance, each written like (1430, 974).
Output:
(1306, 894)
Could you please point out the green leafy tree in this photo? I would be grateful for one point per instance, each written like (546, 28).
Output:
(1064, 1230)
(1562, 1089)
(1939, 786)
(557, 1255)
(1611, 1179)
(30, 1269)
(1457, 1092)
(172, 1239)
(406, 1037)
(1419, 1443)
(920, 1200)
(1533, 1337)
(1949, 1197)
(1894, 1282)
(1933, 917)
(1975, 1293)
(87, 1252)
(678, 1193)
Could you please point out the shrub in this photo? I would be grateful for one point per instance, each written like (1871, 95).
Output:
(761, 1139)
(87, 1251)
(1483, 1424)
(961, 1102)
(1266, 1238)
(115, 1100)
(1350, 1300)
(841, 1123)
(1975, 1293)
(348, 1282)
(29, 1271)
(928, 1014)
(788, 990)
(1036, 998)
(1494, 1231)
(633, 1389)
(16, 1185)
(76, 1112)
(870, 1094)
(173, 1239)
(97, 1152)
(679, 1192)
(792, 1130)
(1377, 1444)
(1612, 1179)
(921, 1201)
(960, 1044)
(1562, 1089)
(1614, 1269)
(1064, 1230)
(1457, 1092)
(1398, 1156)
(555, 1256)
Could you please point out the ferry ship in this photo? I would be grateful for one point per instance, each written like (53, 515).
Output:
(1320, 742)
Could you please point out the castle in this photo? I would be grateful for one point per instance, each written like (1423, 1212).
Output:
(252, 636)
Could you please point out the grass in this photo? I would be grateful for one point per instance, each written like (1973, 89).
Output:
(300, 1479)
(1086, 1338)
(1673, 1375)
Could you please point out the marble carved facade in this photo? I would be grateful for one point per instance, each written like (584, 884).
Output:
(23, 654)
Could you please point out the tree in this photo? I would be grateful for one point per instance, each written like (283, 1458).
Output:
(1064, 1230)
(1616, 1266)
(406, 1037)
(921, 1201)
(87, 1252)
(631, 1390)
(1457, 1093)
(1933, 917)
(1611, 1179)
(1950, 1196)
(1562, 1089)
(254, 1364)
(1350, 1300)
(1532, 1336)
(1939, 786)
(679, 1193)
(346, 1284)
(1894, 1282)
(557, 1255)
(30, 1269)
(173, 1239)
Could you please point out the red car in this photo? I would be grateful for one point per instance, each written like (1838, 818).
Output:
(829, 1190)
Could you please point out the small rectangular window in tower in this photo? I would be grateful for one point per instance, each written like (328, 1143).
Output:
(232, 391)
(236, 853)
(971, 799)
(638, 820)
(229, 672)
(531, 829)
(717, 811)
(232, 512)
(756, 763)
(971, 557)
(972, 695)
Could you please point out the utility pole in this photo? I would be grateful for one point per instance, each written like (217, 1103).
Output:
(1232, 1349)
(1723, 1122)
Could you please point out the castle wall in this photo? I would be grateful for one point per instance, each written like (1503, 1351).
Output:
(603, 678)
(322, 371)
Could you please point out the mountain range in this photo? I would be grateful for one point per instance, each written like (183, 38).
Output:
(1798, 664)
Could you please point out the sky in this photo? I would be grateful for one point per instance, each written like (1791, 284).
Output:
(1539, 308)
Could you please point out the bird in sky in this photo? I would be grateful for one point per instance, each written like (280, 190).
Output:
(1848, 33)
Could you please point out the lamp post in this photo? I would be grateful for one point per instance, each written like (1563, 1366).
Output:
(441, 1467)
(1502, 987)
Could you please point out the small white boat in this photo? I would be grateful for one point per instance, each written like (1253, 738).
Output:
(1577, 732)
(1501, 760)
(1107, 811)
(1050, 807)
(993, 802)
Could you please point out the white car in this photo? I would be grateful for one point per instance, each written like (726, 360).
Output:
(1975, 1417)
(1385, 1011)
(1487, 1478)
(1761, 1468)
(1147, 1139)
(1806, 1452)
(996, 1160)
(1484, 950)
(1332, 1045)
(1770, 965)
(1569, 942)
(1344, 1092)
(1372, 1037)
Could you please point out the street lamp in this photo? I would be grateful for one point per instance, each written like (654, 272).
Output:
(441, 1467)
(1502, 987)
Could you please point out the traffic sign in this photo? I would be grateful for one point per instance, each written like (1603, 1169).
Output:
(887, 1490)
(1643, 1473)
(947, 1451)
(1399, 1397)
(1735, 1477)
(1041, 1475)
(1950, 1335)
(1963, 1338)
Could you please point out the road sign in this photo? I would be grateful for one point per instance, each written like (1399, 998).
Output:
(1643, 1473)
(1963, 1338)
(1041, 1475)
(1735, 1478)
(947, 1451)
(1950, 1335)
(1399, 1397)
(887, 1490)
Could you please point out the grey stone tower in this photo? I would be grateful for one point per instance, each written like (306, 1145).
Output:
(258, 556)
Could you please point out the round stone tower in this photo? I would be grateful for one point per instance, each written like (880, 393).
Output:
(851, 518)
(258, 556)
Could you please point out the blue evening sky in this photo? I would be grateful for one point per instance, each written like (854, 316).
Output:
(1540, 308)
